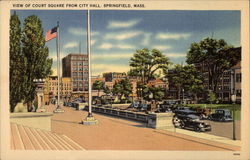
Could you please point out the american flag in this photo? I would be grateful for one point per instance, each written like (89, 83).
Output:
(51, 34)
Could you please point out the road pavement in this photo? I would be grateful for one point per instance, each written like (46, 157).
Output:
(113, 133)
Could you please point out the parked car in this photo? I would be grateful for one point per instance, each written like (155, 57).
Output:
(134, 104)
(202, 112)
(165, 107)
(223, 115)
(144, 107)
(191, 122)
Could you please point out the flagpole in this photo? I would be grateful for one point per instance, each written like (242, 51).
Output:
(58, 108)
(90, 120)
(89, 60)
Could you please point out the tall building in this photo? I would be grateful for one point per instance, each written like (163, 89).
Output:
(75, 66)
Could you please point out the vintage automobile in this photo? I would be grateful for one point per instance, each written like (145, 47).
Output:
(202, 112)
(191, 122)
(223, 115)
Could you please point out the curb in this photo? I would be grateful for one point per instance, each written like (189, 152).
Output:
(206, 136)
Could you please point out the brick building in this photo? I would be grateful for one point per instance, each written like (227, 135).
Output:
(75, 66)
(51, 88)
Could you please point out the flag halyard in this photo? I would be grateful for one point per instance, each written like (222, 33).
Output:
(51, 34)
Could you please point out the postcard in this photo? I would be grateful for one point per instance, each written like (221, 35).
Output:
(124, 80)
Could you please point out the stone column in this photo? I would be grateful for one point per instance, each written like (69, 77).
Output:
(160, 120)
(40, 95)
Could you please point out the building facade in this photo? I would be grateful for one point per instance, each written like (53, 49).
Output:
(75, 66)
(229, 83)
(114, 76)
(51, 88)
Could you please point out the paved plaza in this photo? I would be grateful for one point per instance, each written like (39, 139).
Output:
(113, 133)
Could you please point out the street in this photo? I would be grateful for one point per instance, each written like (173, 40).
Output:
(114, 133)
(224, 129)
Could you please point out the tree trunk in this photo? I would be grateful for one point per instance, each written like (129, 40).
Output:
(179, 92)
(29, 106)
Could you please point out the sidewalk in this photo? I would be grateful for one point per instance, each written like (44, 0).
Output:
(202, 135)
(113, 133)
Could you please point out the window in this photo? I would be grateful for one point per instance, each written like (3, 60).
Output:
(238, 77)
(238, 92)
(226, 87)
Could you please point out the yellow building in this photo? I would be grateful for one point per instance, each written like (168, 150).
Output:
(51, 88)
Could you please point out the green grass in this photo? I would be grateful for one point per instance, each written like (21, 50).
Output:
(221, 106)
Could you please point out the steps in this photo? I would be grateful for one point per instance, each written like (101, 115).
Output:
(27, 138)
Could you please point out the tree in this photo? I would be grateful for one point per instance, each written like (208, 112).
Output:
(16, 62)
(187, 78)
(145, 63)
(216, 56)
(98, 85)
(158, 93)
(35, 55)
(211, 97)
(126, 88)
(106, 90)
(122, 88)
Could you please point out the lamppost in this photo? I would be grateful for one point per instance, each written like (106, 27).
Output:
(233, 98)
(183, 95)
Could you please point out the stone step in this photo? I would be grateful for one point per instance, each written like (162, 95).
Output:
(27, 138)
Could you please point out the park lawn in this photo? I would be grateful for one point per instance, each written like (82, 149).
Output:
(220, 106)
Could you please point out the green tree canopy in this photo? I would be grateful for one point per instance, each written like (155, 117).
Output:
(98, 85)
(16, 62)
(145, 63)
(157, 93)
(35, 55)
(122, 88)
(186, 77)
(215, 57)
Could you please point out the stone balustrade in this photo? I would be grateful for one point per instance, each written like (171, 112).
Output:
(143, 117)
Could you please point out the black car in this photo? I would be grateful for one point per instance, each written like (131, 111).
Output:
(223, 115)
(191, 122)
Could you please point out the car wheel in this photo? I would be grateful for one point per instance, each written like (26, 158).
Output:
(197, 129)
(222, 119)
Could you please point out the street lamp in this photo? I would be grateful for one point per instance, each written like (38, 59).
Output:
(151, 101)
(183, 95)
(233, 98)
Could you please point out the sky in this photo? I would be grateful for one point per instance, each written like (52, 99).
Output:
(117, 34)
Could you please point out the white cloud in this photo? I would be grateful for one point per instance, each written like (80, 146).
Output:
(122, 35)
(93, 41)
(98, 69)
(122, 24)
(70, 45)
(106, 46)
(146, 39)
(125, 46)
(112, 56)
(78, 31)
(161, 47)
(176, 55)
(175, 36)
